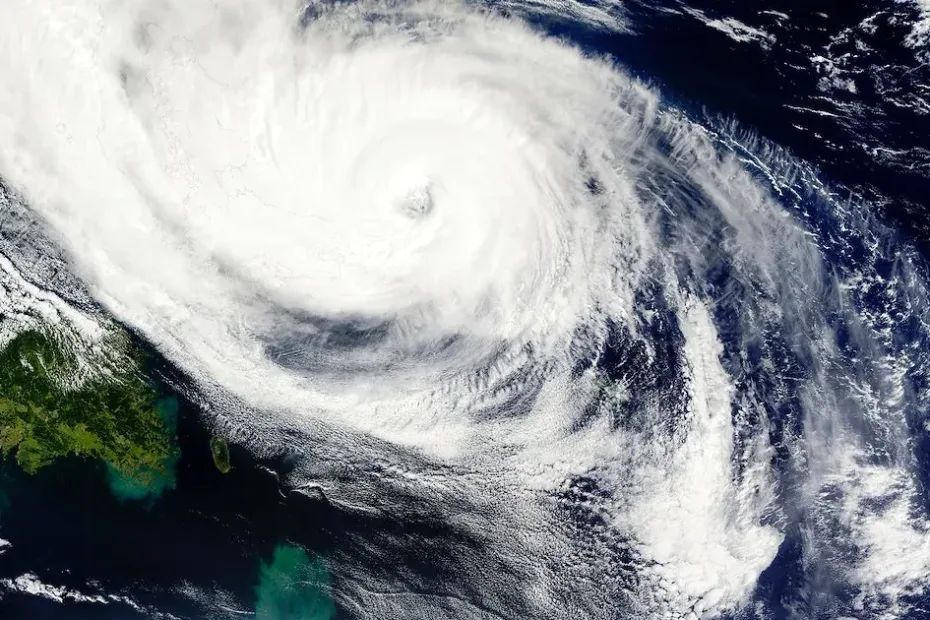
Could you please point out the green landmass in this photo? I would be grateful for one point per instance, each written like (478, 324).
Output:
(146, 481)
(220, 451)
(117, 416)
(294, 586)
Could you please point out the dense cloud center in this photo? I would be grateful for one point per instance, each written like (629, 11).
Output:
(438, 179)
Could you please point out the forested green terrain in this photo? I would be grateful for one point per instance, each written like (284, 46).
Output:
(117, 416)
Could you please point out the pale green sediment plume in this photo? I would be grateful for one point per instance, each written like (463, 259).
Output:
(294, 586)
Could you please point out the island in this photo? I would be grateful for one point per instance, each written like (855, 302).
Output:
(220, 451)
(51, 407)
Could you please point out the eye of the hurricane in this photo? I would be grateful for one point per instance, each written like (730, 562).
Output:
(416, 198)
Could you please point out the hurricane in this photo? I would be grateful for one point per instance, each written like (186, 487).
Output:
(624, 355)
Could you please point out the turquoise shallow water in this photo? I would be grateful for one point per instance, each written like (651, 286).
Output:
(150, 484)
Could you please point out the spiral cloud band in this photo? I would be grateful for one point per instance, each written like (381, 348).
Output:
(424, 226)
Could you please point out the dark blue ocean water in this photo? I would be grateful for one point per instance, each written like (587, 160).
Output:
(67, 528)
